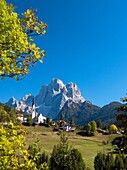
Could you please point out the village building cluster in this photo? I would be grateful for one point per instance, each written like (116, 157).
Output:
(38, 119)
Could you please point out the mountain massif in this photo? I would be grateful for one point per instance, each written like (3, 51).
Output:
(50, 100)
(57, 98)
(86, 112)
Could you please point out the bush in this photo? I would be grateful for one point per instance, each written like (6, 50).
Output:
(12, 152)
(108, 162)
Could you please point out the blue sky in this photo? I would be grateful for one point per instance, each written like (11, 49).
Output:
(86, 43)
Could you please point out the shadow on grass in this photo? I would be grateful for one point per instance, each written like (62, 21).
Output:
(82, 133)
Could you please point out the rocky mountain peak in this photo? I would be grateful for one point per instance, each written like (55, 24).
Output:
(56, 81)
(51, 98)
(13, 102)
(28, 99)
(55, 86)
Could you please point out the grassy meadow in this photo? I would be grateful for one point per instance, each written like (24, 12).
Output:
(88, 146)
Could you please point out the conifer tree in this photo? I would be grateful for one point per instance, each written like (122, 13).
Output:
(88, 129)
(99, 161)
(119, 162)
(125, 161)
(93, 128)
(30, 121)
(99, 124)
(122, 118)
(64, 157)
(48, 121)
(110, 162)
(72, 122)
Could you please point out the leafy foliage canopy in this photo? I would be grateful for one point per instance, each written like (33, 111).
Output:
(17, 49)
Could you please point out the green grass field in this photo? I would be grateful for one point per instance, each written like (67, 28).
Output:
(88, 146)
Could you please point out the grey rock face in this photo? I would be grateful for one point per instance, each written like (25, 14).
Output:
(13, 102)
(50, 99)
(24, 104)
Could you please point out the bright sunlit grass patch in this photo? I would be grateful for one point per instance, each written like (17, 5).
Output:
(88, 146)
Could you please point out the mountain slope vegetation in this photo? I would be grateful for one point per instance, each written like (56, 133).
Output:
(8, 114)
(86, 112)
